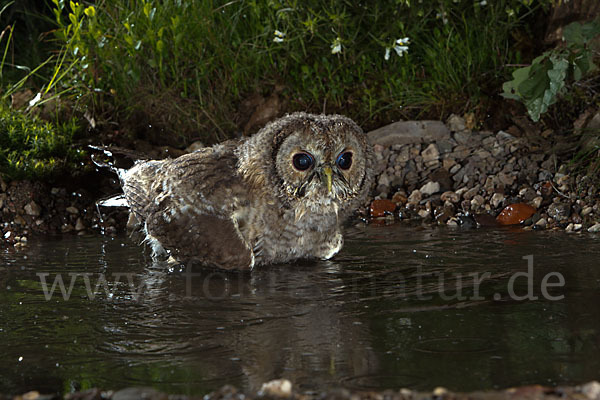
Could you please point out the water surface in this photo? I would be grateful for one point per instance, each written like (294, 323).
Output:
(399, 307)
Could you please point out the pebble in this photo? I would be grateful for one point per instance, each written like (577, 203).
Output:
(497, 199)
(587, 210)
(450, 196)
(72, 210)
(33, 209)
(79, 225)
(594, 228)
(415, 197)
(278, 388)
(430, 188)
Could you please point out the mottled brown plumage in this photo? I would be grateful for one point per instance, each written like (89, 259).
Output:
(277, 196)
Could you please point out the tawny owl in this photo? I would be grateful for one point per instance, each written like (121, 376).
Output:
(279, 195)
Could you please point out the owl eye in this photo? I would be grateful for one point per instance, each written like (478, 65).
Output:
(302, 161)
(344, 160)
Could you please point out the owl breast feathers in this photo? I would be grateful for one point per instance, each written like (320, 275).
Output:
(277, 196)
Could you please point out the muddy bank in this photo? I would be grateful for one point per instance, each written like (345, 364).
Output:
(283, 389)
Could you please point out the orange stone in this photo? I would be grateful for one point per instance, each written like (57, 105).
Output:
(515, 214)
(379, 208)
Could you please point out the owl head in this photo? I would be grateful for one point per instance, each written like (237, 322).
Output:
(321, 163)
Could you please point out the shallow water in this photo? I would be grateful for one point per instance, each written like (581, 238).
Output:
(399, 307)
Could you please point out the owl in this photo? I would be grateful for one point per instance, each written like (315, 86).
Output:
(279, 195)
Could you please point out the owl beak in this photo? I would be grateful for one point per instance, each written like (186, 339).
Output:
(327, 177)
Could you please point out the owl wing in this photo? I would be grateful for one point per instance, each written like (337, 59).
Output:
(186, 205)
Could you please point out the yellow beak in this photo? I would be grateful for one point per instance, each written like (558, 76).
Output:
(328, 176)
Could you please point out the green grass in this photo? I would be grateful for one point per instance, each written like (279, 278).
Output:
(185, 67)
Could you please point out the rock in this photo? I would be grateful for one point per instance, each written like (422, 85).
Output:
(415, 197)
(469, 194)
(452, 222)
(456, 123)
(19, 220)
(497, 199)
(570, 227)
(587, 210)
(277, 388)
(594, 228)
(423, 213)
(409, 132)
(450, 196)
(591, 390)
(463, 137)
(381, 208)
(399, 198)
(197, 145)
(541, 223)
(506, 179)
(477, 202)
(33, 209)
(79, 225)
(430, 188)
(577, 227)
(72, 210)
(536, 202)
(559, 211)
(515, 214)
(431, 153)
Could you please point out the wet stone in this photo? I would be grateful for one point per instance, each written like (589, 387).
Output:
(559, 211)
(594, 228)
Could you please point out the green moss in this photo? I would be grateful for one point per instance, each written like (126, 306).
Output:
(34, 149)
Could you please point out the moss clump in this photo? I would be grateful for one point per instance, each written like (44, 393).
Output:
(34, 149)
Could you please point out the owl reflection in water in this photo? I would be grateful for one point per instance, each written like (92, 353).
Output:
(279, 195)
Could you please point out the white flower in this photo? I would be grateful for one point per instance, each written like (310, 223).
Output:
(400, 47)
(443, 16)
(35, 100)
(403, 42)
(279, 36)
(336, 46)
(483, 3)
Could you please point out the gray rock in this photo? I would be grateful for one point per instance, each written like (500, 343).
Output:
(450, 196)
(587, 210)
(431, 153)
(497, 199)
(463, 137)
(430, 188)
(477, 202)
(536, 202)
(469, 194)
(79, 225)
(415, 197)
(72, 210)
(456, 123)
(594, 228)
(403, 154)
(407, 132)
(559, 211)
(33, 209)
